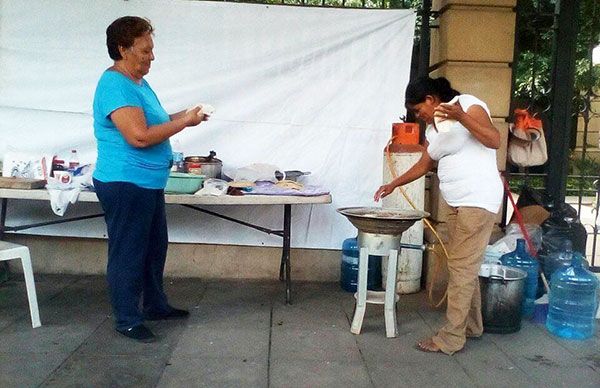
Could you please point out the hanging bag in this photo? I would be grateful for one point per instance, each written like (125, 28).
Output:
(527, 144)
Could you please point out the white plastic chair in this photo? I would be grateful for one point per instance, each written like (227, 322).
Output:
(10, 251)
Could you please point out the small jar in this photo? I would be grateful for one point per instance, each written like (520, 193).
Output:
(194, 168)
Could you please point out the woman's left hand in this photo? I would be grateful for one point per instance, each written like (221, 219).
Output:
(449, 111)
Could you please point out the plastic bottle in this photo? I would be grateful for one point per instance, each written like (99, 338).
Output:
(559, 259)
(573, 301)
(73, 161)
(349, 267)
(520, 258)
(178, 161)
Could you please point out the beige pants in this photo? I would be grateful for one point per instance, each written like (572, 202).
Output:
(469, 233)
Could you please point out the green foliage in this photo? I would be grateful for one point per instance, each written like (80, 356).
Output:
(535, 30)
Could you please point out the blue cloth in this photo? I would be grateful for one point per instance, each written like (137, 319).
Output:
(118, 161)
(137, 250)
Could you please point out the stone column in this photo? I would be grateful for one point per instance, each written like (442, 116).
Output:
(473, 47)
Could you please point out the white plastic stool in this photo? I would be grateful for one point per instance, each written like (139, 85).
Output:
(380, 245)
(9, 251)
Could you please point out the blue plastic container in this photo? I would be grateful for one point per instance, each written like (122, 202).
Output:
(349, 267)
(520, 258)
(573, 301)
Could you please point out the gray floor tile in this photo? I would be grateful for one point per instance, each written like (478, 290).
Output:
(214, 372)
(245, 315)
(318, 373)
(28, 369)
(438, 371)
(310, 315)
(108, 371)
(199, 341)
(47, 338)
(314, 345)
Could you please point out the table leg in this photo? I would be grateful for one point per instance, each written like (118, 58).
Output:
(3, 217)
(285, 258)
(3, 264)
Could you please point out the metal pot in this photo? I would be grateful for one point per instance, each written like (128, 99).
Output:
(502, 290)
(209, 165)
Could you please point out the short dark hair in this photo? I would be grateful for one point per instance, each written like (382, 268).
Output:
(417, 90)
(123, 31)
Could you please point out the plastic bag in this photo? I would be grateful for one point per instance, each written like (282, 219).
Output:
(526, 144)
(256, 172)
(563, 224)
(25, 165)
(213, 187)
(508, 243)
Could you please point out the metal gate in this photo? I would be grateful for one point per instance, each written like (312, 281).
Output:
(557, 76)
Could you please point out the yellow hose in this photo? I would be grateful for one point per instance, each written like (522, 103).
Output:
(411, 203)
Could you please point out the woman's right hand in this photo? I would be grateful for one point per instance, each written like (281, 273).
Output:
(384, 191)
(193, 117)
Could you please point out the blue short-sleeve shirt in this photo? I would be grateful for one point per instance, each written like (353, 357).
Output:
(118, 161)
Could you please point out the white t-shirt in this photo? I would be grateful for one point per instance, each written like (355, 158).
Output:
(466, 168)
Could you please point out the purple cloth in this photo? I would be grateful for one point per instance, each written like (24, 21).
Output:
(269, 188)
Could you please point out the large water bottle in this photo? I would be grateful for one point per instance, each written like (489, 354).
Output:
(573, 301)
(559, 259)
(349, 267)
(520, 258)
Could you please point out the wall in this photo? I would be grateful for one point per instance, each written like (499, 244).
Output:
(88, 256)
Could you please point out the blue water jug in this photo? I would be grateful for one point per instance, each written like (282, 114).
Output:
(349, 267)
(521, 259)
(573, 301)
(562, 258)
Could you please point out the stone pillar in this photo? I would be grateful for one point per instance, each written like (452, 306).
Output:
(473, 47)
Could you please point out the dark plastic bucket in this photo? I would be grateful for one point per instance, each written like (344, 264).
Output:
(502, 291)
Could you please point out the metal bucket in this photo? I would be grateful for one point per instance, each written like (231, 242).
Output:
(502, 290)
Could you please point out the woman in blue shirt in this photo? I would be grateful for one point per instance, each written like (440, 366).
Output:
(134, 158)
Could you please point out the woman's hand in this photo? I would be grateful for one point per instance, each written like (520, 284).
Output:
(383, 191)
(194, 116)
(475, 119)
(449, 111)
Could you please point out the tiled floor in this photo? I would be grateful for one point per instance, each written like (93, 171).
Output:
(241, 334)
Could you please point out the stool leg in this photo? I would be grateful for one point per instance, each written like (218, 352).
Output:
(361, 291)
(30, 284)
(391, 329)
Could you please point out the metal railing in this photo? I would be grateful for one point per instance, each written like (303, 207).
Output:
(537, 59)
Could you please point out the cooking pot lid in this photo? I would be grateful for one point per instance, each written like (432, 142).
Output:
(204, 159)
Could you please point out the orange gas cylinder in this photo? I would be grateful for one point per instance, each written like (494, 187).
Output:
(405, 133)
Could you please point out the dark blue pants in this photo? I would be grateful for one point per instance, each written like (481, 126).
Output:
(137, 249)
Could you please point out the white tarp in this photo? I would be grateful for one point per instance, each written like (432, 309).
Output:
(303, 88)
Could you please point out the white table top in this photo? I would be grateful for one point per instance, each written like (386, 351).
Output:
(188, 199)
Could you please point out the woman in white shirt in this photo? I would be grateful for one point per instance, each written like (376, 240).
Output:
(463, 144)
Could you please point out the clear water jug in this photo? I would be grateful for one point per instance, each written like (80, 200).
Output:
(349, 267)
(573, 301)
(521, 259)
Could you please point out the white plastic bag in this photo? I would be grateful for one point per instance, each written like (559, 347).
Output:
(508, 243)
(214, 187)
(25, 165)
(256, 172)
